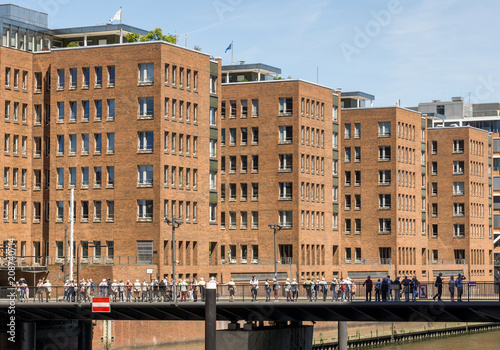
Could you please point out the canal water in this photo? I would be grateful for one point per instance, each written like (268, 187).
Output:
(474, 341)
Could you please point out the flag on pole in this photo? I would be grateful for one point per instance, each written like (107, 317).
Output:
(229, 47)
(117, 16)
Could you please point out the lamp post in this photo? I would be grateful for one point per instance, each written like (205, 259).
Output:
(79, 291)
(275, 228)
(175, 223)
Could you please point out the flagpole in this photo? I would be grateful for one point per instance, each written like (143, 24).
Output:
(232, 51)
(121, 30)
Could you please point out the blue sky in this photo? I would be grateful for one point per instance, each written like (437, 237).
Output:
(415, 51)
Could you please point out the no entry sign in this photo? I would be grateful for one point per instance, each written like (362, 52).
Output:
(100, 305)
(422, 291)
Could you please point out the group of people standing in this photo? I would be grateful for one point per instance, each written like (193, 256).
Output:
(452, 284)
(387, 289)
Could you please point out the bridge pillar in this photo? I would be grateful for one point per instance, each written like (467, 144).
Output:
(85, 336)
(342, 335)
(28, 339)
(210, 316)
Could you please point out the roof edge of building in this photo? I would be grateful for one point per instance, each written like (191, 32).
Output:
(279, 81)
(126, 44)
(383, 107)
(459, 127)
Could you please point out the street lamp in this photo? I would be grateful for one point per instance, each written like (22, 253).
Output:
(175, 223)
(275, 227)
(79, 290)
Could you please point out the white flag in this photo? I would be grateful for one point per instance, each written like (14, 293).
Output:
(117, 16)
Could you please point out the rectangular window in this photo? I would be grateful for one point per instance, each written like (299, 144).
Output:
(285, 218)
(97, 143)
(145, 209)
(85, 210)
(458, 188)
(255, 108)
(243, 136)
(60, 112)
(98, 77)
(212, 213)
(98, 110)
(213, 116)
(347, 131)
(85, 111)
(110, 143)
(285, 134)
(459, 209)
(458, 167)
(146, 107)
(384, 177)
(111, 176)
(97, 177)
(458, 230)
(384, 226)
(85, 77)
(255, 136)
(72, 177)
(255, 191)
(286, 106)
(110, 210)
(85, 177)
(255, 219)
(60, 177)
(145, 175)
(458, 146)
(244, 108)
(384, 129)
(347, 154)
(243, 164)
(357, 130)
(285, 162)
(111, 76)
(59, 210)
(285, 190)
(60, 79)
(60, 145)
(213, 148)
(357, 154)
(384, 153)
(434, 147)
(145, 141)
(146, 73)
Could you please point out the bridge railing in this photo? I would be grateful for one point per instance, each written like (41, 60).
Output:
(472, 291)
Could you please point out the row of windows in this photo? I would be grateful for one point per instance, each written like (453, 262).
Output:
(15, 145)
(384, 130)
(310, 164)
(384, 226)
(244, 160)
(406, 226)
(15, 77)
(184, 210)
(406, 202)
(406, 178)
(72, 140)
(316, 218)
(243, 215)
(173, 143)
(407, 256)
(406, 155)
(231, 254)
(314, 192)
(37, 211)
(173, 177)
(96, 250)
(407, 131)
(12, 110)
(311, 108)
(475, 147)
(84, 75)
(243, 108)
(81, 108)
(243, 136)
(313, 254)
(175, 110)
(244, 192)
(458, 230)
(316, 136)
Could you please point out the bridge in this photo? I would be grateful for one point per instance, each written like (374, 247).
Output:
(422, 311)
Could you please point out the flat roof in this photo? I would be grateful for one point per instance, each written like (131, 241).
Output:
(378, 107)
(458, 127)
(362, 95)
(97, 30)
(277, 81)
(251, 67)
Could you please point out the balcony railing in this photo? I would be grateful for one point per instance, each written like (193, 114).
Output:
(254, 261)
(448, 261)
(45, 261)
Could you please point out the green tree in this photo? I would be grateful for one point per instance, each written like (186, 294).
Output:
(155, 34)
(73, 44)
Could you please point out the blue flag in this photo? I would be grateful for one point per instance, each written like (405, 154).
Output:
(229, 47)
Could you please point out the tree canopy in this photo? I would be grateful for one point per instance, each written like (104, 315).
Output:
(155, 34)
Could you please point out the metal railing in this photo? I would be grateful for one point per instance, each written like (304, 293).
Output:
(471, 291)
(253, 261)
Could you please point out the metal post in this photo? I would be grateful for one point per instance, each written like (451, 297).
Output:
(174, 262)
(342, 329)
(65, 253)
(210, 316)
(275, 256)
(85, 336)
(28, 340)
(174, 223)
